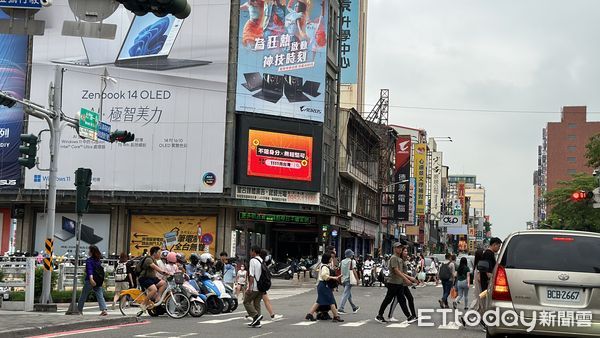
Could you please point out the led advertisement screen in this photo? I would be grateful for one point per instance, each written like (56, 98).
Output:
(279, 155)
(275, 153)
(282, 58)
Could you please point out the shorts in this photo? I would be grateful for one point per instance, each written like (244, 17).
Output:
(121, 286)
(148, 282)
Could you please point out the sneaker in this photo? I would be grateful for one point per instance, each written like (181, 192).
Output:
(392, 319)
(380, 319)
(356, 310)
(342, 312)
(412, 319)
(248, 318)
(441, 303)
(256, 319)
(258, 325)
(103, 313)
(454, 304)
(337, 319)
(276, 317)
(310, 317)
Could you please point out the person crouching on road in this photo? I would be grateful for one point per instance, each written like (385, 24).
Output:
(348, 270)
(325, 297)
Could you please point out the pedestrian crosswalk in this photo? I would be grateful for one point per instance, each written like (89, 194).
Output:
(346, 324)
(275, 294)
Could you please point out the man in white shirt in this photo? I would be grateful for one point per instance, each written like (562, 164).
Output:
(253, 296)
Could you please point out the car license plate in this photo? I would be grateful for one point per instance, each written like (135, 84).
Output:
(563, 295)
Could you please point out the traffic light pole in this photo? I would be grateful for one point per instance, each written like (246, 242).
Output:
(73, 309)
(55, 133)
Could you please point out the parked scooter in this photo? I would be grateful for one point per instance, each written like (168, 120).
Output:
(284, 271)
(213, 303)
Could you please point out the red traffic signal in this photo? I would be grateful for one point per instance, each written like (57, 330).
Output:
(582, 195)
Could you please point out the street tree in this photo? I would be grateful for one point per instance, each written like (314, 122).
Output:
(593, 151)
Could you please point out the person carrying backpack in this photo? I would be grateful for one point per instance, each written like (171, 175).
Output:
(259, 282)
(446, 275)
(94, 278)
(122, 279)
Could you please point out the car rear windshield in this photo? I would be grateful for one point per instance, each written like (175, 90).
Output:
(553, 252)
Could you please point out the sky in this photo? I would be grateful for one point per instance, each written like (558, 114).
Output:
(518, 55)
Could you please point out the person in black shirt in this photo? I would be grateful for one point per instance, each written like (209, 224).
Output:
(489, 256)
(220, 265)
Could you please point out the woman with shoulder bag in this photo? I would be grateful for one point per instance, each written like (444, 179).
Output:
(325, 297)
(94, 278)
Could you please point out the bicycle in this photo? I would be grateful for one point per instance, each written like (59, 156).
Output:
(175, 301)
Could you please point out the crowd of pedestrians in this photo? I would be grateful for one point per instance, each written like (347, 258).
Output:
(399, 273)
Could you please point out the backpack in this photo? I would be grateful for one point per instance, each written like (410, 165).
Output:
(121, 273)
(264, 282)
(445, 273)
(99, 275)
(139, 267)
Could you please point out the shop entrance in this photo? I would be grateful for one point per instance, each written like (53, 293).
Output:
(294, 243)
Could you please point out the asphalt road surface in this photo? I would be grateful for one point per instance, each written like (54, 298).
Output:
(293, 304)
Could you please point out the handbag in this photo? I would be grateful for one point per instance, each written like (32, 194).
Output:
(353, 280)
(453, 293)
(331, 282)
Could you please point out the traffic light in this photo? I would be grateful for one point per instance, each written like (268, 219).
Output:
(122, 136)
(83, 181)
(181, 9)
(324, 231)
(7, 102)
(582, 195)
(28, 149)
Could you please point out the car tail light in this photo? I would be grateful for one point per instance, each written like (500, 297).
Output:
(501, 290)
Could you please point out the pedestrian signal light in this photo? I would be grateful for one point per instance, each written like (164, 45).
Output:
(582, 195)
(28, 149)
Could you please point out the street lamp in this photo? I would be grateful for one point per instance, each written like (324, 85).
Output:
(442, 138)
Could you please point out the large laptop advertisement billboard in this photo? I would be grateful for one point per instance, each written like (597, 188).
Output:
(13, 74)
(166, 84)
(282, 58)
(95, 230)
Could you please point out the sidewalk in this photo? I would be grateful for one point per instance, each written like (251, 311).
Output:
(24, 324)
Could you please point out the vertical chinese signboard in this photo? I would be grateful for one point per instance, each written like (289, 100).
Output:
(436, 183)
(420, 174)
(463, 202)
(349, 40)
(401, 178)
(13, 74)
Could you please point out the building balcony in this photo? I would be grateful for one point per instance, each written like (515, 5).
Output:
(363, 172)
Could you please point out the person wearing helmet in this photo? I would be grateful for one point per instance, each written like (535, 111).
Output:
(190, 268)
(206, 261)
(171, 266)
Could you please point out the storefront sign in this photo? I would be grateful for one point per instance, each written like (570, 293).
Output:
(275, 218)
(436, 182)
(401, 178)
(277, 195)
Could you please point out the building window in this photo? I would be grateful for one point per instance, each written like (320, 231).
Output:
(571, 159)
(572, 125)
(571, 137)
(572, 149)
(346, 195)
(571, 171)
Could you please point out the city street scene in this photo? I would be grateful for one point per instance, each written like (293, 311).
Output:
(299, 168)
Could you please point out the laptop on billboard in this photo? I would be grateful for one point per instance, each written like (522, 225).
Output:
(293, 89)
(67, 230)
(149, 42)
(272, 88)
